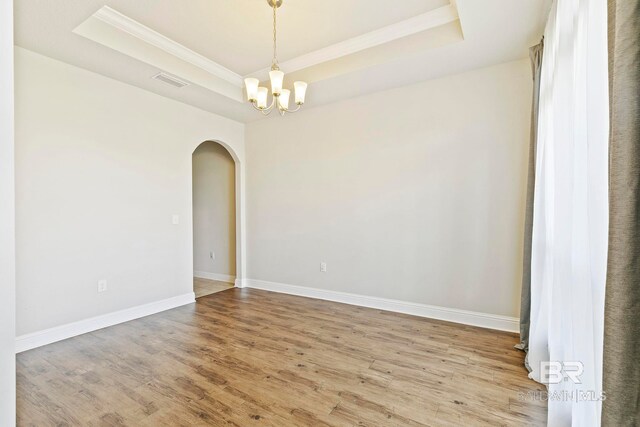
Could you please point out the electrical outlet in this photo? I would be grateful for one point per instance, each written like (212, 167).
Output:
(323, 267)
(102, 285)
(212, 255)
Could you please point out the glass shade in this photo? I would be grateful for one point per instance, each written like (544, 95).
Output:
(276, 77)
(262, 97)
(284, 99)
(251, 85)
(301, 90)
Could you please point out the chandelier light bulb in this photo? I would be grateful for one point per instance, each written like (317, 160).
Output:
(277, 78)
(284, 99)
(301, 91)
(262, 97)
(251, 85)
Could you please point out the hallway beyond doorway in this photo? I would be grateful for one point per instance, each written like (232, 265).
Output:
(202, 287)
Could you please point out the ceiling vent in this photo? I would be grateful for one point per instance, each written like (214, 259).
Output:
(170, 80)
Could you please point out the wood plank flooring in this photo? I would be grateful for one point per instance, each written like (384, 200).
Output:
(245, 357)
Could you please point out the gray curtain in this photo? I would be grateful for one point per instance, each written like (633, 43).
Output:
(622, 301)
(535, 53)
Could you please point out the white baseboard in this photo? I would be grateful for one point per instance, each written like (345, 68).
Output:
(483, 320)
(214, 276)
(58, 333)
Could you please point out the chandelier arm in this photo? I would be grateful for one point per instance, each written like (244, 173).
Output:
(273, 102)
(267, 111)
(281, 109)
(293, 111)
(264, 111)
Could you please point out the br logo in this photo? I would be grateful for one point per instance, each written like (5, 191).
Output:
(556, 372)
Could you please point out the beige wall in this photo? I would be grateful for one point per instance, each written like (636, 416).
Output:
(414, 194)
(7, 222)
(214, 213)
(101, 169)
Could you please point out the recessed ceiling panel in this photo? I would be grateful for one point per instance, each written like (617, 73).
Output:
(119, 32)
(237, 33)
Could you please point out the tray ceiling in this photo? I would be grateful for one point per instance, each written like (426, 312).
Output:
(343, 48)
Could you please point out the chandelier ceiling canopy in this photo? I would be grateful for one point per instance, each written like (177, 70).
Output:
(258, 95)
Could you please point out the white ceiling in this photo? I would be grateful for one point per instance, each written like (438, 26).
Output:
(399, 43)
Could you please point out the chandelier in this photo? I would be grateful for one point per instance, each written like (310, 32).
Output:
(257, 95)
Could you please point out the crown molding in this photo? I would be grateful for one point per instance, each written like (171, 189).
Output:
(124, 23)
(417, 24)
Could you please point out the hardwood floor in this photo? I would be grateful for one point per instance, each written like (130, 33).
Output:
(245, 357)
(202, 287)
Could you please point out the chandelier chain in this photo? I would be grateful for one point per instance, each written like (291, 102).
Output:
(274, 65)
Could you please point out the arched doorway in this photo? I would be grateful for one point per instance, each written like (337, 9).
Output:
(214, 218)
